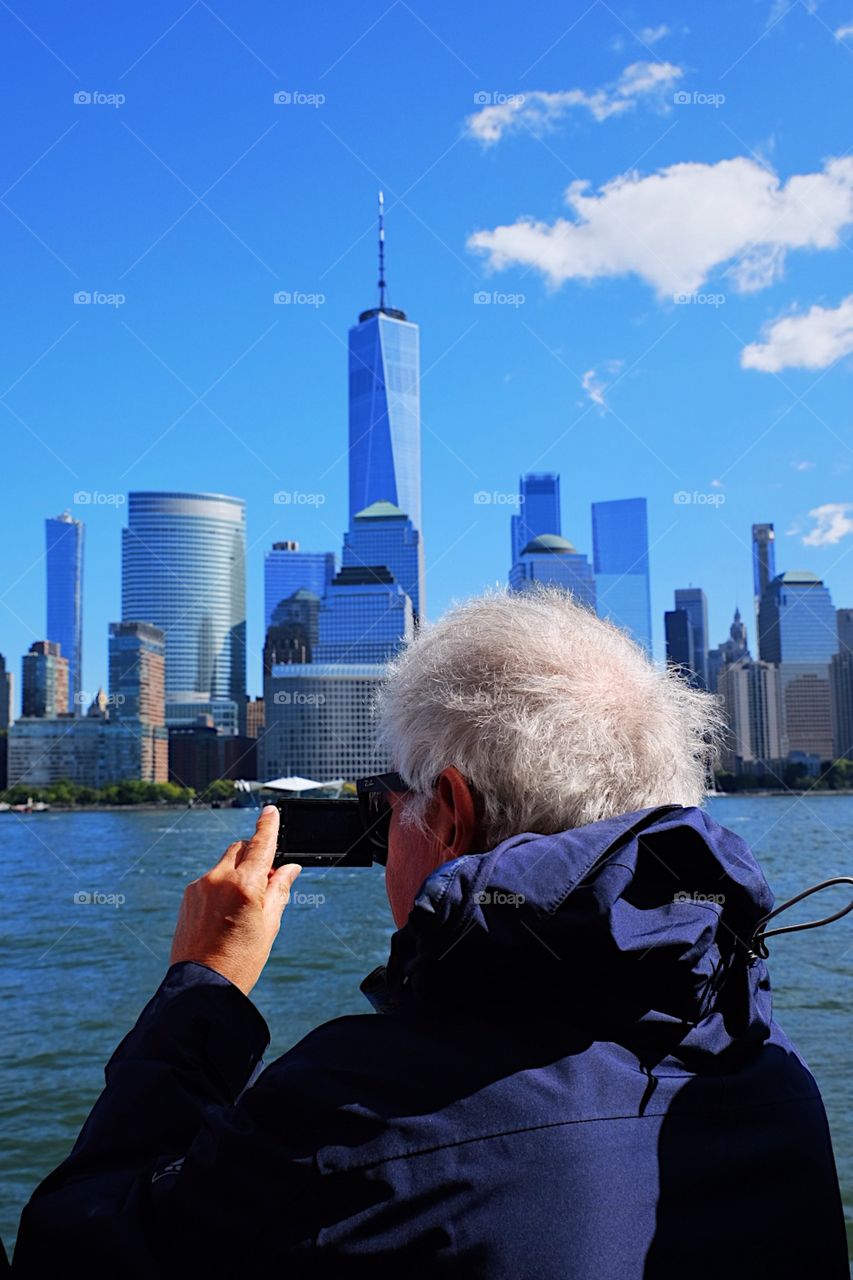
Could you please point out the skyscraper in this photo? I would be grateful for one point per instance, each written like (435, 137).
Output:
(550, 559)
(64, 563)
(679, 643)
(183, 569)
(287, 569)
(7, 710)
(538, 509)
(620, 549)
(798, 630)
(752, 701)
(731, 650)
(365, 616)
(44, 681)
(841, 688)
(382, 534)
(763, 565)
(694, 603)
(384, 406)
(293, 633)
(137, 697)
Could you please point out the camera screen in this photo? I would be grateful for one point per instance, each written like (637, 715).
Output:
(322, 833)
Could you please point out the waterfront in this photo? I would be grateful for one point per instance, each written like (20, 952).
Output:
(76, 973)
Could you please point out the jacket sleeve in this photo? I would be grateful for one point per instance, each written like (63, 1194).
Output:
(173, 1150)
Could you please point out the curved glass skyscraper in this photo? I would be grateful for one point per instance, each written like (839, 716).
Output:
(184, 570)
(64, 560)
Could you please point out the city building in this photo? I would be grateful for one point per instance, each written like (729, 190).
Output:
(200, 754)
(288, 570)
(255, 717)
(763, 566)
(7, 696)
(798, 630)
(678, 634)
(293, 634)
(841, 688)
(731, 650)
(694, 603)
(382, 534)
(183, 570)
(45, 690)
(620, 561)
(64, 538)
(551, 559)
(752, 700)
(384, 406)
(137, 699)
(365, 617)
(538, 510)
(320, 722)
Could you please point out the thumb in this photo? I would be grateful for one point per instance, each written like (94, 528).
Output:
(279, 886)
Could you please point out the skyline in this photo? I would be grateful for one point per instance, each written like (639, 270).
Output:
(199, 381)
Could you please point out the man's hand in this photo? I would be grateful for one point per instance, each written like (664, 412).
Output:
(230, 917)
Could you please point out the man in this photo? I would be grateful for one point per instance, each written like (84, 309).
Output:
(575, 1074)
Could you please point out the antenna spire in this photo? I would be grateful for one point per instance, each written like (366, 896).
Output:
(381, 251)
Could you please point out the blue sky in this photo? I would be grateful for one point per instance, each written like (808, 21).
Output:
(582, 165)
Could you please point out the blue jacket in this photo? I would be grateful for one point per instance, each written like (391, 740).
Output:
(575, 1076)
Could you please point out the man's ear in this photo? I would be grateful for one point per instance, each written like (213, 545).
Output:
(454, 817)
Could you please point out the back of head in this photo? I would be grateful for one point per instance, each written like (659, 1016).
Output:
(555, 717)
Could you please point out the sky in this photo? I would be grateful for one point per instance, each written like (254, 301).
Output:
(622, 228)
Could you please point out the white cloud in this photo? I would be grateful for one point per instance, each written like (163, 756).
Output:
(843, 32)
(803, 466)
(594, 387)
(674, 227)
(540, 111)
(832, 523)
(651, 35)
(813, 340)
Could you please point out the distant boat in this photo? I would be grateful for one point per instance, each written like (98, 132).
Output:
(32, 806)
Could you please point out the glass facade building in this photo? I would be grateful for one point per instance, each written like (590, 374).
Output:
(538, 509)
(44, 671)
(365, 616)
(64, 538)
(620, 561)
(797, 620)
(288, 570)
(695, 604)
(384, 413)
(382, 534)
(183, 569)
(552, 560)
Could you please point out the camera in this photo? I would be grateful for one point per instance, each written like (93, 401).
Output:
(327, 833)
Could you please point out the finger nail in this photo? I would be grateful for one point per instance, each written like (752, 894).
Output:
(268, 808)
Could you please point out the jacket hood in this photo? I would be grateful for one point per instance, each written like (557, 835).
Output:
(634, 930)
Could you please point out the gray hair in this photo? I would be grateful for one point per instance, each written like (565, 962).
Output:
(555, 717)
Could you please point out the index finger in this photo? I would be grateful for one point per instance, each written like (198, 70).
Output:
(259, 851)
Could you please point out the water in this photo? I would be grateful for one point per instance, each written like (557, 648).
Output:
(76, 975)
